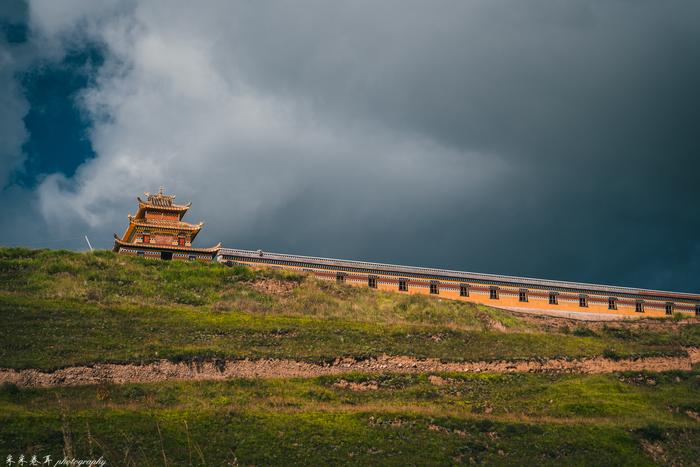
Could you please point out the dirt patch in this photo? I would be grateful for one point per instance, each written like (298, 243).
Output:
(491, 323)
(438, 380)
(693, 414)
(269, 368)
(360, 387)
(275, 287)
(654, 450)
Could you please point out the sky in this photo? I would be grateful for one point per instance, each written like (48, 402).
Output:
(544, 139)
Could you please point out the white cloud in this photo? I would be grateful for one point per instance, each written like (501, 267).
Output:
(172, 106)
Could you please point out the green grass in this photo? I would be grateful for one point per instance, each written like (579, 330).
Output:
(486, 418)
(57, 333)
(60, 308)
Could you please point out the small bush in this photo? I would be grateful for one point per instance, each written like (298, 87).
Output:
(185, 297)
(9, 388)
(678, 316)
(318, 395)
(581, 331)
(651, 432)
(611, 354)
(620, 333)
(134, 392)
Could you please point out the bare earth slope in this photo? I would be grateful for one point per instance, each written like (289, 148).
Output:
(164, 370)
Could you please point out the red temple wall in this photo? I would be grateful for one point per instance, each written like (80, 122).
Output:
(164, 239)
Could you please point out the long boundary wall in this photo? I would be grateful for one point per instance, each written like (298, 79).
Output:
(490, 289)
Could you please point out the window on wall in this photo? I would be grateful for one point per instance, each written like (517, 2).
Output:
(612, 303)
(191, 257)
(669, 308)
(464, 290)
(434, 288)
(403, 285)
(493, 293)
(372, 282)
(340, 277)
(552, 298)
(140, 253)
(146, 238)
(639, 306)
(697, 310)
(181, 241)
(522, 295)
(583, 301)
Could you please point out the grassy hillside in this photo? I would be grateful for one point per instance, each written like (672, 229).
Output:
(60, 309)
(627, 419)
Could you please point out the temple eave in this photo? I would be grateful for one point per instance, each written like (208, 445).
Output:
(165, 224)
(173, 207)
(120, 243)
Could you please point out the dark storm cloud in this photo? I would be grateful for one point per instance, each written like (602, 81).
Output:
(595, 105)
(543, 138)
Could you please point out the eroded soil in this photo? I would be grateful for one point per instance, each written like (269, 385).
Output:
(270, 368)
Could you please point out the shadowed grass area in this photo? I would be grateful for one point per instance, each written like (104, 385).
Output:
(50, 334)
(60, 308)
(403, 419)
(233, 438)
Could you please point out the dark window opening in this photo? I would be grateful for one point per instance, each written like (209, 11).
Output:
(372, 282)
(340, 277)
(612, 303)
(669, 308)
(552, 298)
(583, 302)
(192, 257)
(697, 310)
(493, 293)
(166, 255)
(464, 290)
(403, 285)
(522, 295)
(140, 253)
(434, 288)
(639, 307)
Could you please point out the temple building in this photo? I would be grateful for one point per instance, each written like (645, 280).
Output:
(157, 231)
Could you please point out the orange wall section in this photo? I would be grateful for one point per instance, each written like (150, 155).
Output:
(508, 297)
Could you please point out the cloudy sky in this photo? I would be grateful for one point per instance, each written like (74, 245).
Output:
(541, 138)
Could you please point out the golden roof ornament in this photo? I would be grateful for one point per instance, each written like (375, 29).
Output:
(160, 198)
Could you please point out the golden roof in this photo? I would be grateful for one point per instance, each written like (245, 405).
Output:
(160, 202)
(165, 223)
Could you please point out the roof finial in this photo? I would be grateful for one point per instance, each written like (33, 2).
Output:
(160, 191)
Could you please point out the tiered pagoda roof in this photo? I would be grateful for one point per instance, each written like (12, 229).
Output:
(158, 224)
